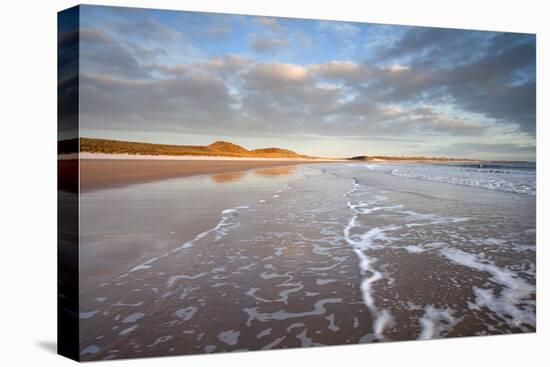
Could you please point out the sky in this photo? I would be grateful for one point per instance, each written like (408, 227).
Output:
(324, 88)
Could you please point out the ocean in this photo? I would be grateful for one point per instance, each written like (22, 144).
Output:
(310, 255)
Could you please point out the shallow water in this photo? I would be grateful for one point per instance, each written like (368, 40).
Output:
(304, 256)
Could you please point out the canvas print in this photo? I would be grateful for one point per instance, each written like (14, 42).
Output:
(242, 183)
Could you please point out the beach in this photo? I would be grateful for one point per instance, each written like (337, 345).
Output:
(104, 173)
(232, 183)
(303, 255)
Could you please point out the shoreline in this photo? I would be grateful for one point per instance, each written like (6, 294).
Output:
(201, 242)
(104, 171)
(148, 157)
(98, 174)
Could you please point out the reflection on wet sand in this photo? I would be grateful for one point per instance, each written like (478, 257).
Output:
(266, 172)
(275, 171)
(227, 177)
(330, 256)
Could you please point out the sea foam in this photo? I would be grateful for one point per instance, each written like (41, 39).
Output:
(514, 302)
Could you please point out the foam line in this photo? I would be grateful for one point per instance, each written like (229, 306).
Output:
(360, 245)
(513, 304)
(221, 229)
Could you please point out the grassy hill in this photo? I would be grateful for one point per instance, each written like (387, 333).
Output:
(277, 152)
(228, 148)
(218, 149)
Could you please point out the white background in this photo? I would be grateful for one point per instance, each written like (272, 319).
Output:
(28, 181)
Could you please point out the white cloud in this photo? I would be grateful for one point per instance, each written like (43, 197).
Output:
(342, 28)
(397, 67)
(271, 23)
(267, 45)
(338, 69)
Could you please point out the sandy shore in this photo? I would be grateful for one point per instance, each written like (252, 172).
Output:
(146, 157)
(96, 174)
(279, 258)
(101, 171)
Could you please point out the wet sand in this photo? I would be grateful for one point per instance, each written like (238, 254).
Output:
(126, 225)
(301, 256)
(96, 174)
(283, 282)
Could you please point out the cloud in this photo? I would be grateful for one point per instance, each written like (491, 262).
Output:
(187, 103)
(339, 70)
(274, 75)
(489, 86)
(427, 119)
(267, 45)
(271, 39)
(397, 68)
(244, 96)
(345, 83)
(226, 66)
(103, 54)
(67, 82)
(493, 150)
(271, 23)
(219, 31)
(434, 45)
(259, 98)
(146, 28)
(487, 73)
(341, 28)
(421, 84)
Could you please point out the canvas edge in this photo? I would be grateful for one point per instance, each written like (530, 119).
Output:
(68, 43)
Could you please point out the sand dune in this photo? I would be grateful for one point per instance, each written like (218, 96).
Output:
(217, 149)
